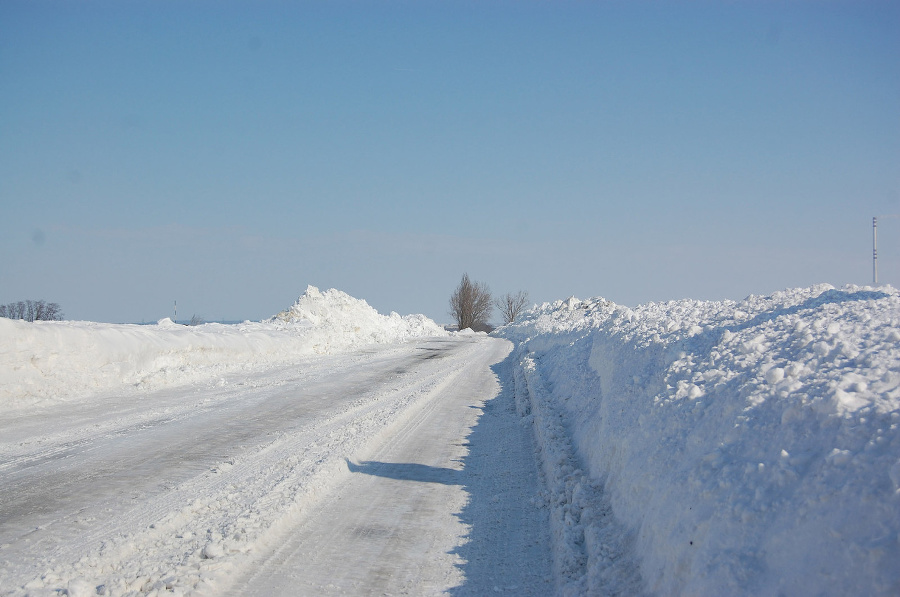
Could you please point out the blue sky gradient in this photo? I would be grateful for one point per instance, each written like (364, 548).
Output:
(226, 155)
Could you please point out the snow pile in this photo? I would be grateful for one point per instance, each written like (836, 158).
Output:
(347, 321)
(744, 447)
(68, 359)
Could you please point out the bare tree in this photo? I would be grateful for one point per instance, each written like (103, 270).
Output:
(16, 310)
(511, 305)
(32, 311)
(196, 320)
(470, 304)
(53, 312)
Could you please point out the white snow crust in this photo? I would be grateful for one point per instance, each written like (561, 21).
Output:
(729, 447)
(46, 362)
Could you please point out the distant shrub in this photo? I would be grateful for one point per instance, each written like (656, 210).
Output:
(481, 326)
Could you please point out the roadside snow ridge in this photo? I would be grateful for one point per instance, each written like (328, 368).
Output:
(51, 361)
(748, 447)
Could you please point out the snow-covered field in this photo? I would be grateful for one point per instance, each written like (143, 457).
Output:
(746, 447)
(45, 362)
(691, 447)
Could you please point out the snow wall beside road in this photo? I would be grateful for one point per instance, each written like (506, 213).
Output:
(746, 447)
(64, 360)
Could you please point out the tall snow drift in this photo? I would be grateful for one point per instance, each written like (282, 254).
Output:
(746, 448)
(62, 360)
(348, 321)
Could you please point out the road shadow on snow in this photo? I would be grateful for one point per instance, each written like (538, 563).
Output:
(507, 549)
(407, 471)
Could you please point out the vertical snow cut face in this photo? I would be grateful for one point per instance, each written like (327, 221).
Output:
(752, 446)
(48, 361)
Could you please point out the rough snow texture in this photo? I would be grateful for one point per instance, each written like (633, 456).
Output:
(745, 447)
(592, 553)
(51, 361)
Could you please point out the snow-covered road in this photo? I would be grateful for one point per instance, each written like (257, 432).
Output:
(382, 470)
(702, 447)
(396, 525)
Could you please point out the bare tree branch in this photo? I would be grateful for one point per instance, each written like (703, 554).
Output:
(511, 305)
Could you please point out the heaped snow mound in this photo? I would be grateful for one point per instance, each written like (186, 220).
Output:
(748, 447)
(50, 361)
(343, 320)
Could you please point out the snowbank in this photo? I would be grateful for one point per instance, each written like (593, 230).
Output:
(745, 447)
(63, 360)
(342, 321)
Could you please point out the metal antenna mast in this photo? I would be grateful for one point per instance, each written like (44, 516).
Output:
(875, 250)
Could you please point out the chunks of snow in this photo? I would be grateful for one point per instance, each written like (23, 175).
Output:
(80, 588)
(64, 360)
(839, 457)
(774, 375)
(895, 475)
(749, 447)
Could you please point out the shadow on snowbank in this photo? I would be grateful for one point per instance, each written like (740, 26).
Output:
(507, 549)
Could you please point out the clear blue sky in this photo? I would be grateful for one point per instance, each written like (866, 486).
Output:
(227, 154)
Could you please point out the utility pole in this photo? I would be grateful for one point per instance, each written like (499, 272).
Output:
(875, 250)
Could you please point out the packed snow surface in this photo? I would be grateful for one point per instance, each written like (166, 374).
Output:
(747, 447)
(45, 362)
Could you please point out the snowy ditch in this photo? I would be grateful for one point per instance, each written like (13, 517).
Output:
(723, 447)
